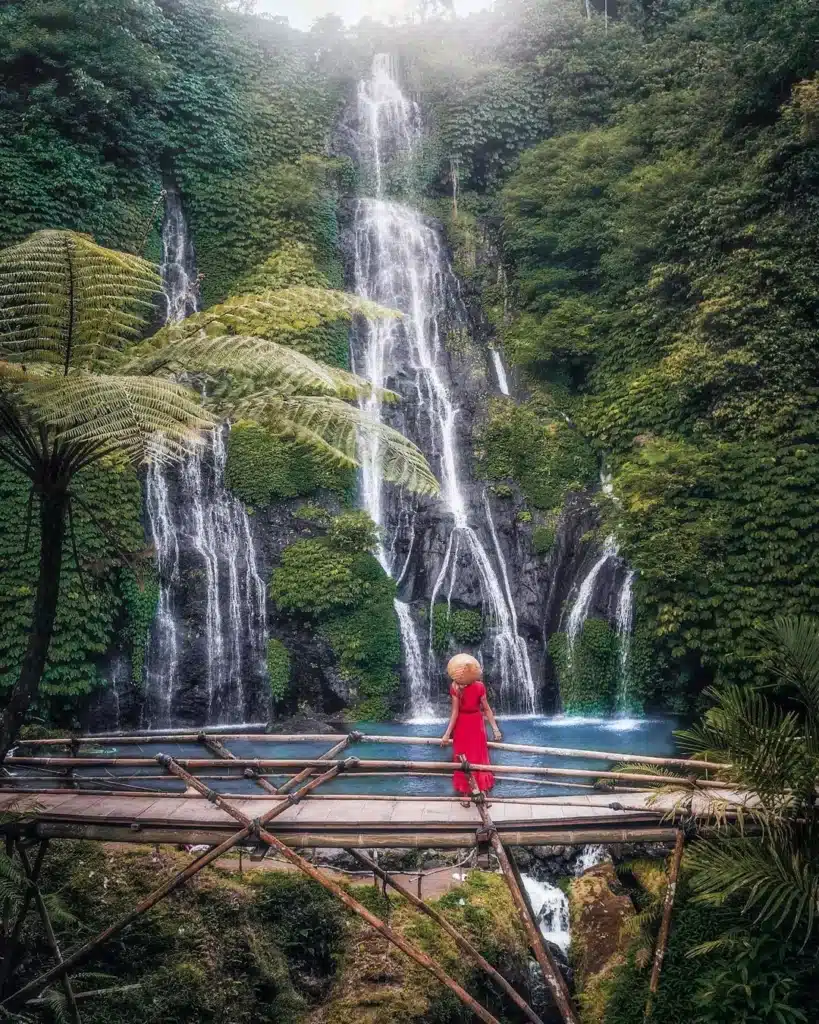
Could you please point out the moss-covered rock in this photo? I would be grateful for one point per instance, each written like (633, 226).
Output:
(599, 941)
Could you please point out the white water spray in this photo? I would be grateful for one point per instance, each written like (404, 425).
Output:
(551, 909)
(400, 262)
(500, 371)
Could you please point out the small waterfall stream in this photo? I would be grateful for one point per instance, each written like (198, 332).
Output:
(400, 261)
(582, 603)
(198, 526)
(625, 624)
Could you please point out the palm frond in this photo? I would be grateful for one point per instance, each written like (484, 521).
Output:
(792, 644)
(336, 429)
(777, 876)
(66, 300)
(142, 417)
(763, 743)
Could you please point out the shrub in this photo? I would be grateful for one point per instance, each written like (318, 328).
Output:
(278, 669)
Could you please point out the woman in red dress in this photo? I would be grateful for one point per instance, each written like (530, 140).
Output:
(466, 726)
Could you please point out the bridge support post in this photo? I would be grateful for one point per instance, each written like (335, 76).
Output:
(42, 909)
(407, 947)
(551, 972)
(665, 925)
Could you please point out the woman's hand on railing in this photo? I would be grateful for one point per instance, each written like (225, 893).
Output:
(445, 739)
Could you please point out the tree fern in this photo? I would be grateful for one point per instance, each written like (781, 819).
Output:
(68, 301)
(76, 385)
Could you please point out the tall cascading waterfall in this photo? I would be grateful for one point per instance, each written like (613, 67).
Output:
(400, 262)
(203, 542)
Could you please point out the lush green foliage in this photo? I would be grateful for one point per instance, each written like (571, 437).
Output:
(455, 626)
(543, 538)
(90, 606)
(140, 595)
(537, 449)
(262, 467)
(101, 103)
(271, 939)
(587, 675)
(278, 669)
(338, 584)
(771, 742)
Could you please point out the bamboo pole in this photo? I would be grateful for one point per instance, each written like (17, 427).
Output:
(143, 739)
(42, 909)
(324, 880)
(453, 932)
(523, 748)
(331, 753)
(665, 925)
(551, 972)
(361, 775)
(392, 766)
(398, 837)
(33, 988)
(220, 750)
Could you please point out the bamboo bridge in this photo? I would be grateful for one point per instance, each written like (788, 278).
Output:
(72, 788)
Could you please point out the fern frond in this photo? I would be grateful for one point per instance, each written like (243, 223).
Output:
(119, 412)
(68, 301)
(335, 429)
(264, 361)
(276, 313)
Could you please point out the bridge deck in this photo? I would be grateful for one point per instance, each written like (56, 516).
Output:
(345, 820)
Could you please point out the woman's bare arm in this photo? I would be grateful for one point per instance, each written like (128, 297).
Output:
(453, 718)
(490, 717)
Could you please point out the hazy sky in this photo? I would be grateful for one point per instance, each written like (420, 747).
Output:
(302, 13)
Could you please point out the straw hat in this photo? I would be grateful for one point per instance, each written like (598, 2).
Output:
(464, 669)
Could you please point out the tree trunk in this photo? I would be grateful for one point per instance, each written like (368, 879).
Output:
(53, 503)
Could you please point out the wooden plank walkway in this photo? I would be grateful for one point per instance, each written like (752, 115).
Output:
(347, 820)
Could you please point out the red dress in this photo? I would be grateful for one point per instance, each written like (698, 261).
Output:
(469, 736)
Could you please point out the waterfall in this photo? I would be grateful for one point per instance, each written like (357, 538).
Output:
(625, 617)
(580, 609)
(194, 521)
(500, 371)
(399, 261)
(179, 284)
(550, 906)
(590, 857)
